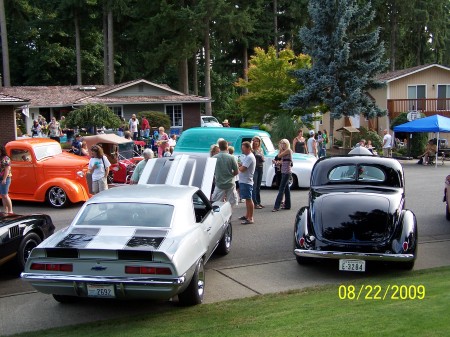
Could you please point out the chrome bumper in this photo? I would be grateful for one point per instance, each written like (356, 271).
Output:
(104, 279)
(353, 255)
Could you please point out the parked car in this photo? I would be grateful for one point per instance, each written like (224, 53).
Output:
(356, 213)
(199, 140)
(43, 172)
(209, 121)
(121, 154)
(19, 234)
(139, 241)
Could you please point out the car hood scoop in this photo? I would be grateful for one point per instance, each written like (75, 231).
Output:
(352, 217)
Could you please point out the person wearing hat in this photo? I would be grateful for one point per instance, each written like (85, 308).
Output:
(311, 144)
(226, 124)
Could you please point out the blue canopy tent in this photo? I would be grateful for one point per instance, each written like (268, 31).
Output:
(435, 123)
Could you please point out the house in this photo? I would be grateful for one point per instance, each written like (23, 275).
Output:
(124, 99)
(424, 89)
(8, 107)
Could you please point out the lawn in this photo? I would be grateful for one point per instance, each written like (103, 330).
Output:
(312, 312)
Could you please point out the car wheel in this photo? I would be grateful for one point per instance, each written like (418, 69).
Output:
(303, 260)
(224, 246)
(406, 265)
(193, 294)
(57, 197)
(30, 241)
(293, 182)
(65, 299)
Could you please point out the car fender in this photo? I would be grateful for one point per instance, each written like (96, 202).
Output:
(408, 232)
(188, 250)
(302, 169)
(269, 176)
(302, 220)
(74, 190)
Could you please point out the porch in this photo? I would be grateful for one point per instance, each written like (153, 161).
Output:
(427, 106)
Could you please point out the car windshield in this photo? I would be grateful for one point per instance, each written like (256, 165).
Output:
(126, 214)
(210, 119)
(348, 173)
(268, 144)
(47, 150)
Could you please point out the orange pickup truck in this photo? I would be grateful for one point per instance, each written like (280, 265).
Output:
(41, 171)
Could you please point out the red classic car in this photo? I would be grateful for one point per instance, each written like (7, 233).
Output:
(41, 171)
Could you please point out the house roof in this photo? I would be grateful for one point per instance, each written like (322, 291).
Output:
(395, 75)
(59, 96)
(11, 100)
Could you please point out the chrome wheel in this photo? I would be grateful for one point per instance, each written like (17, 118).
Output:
(57, 197)
(224, 246)
(193, 294)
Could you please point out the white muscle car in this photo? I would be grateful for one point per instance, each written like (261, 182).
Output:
(139, 241)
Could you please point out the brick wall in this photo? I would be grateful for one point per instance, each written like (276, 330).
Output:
(8, 124)
(191, 115)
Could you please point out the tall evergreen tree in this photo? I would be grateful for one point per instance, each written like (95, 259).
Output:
(346, 56)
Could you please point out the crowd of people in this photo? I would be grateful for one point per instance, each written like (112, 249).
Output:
(315, 145)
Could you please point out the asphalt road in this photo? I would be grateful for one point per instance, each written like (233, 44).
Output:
(261, 260)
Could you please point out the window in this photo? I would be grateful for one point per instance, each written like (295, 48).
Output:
(363, 173)
(175, 114)
(117, 109)
(416, 96)
(47, 150)
(443, 96)
(20, 155)
(126, 214)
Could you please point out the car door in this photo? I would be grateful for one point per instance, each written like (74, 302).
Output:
(210, 220)
(23, 168)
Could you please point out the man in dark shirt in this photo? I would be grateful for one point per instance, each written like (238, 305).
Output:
(76, 145)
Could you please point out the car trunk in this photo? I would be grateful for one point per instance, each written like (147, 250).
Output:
(351, 217)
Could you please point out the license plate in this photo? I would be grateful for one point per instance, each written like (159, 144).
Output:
(352, 265)
(101, 290)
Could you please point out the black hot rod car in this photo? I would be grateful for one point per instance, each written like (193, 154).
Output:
(19, 234)
(356, 213)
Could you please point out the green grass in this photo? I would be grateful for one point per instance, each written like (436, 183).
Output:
(311, 312)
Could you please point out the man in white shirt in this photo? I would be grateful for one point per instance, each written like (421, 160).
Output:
(311, 144)
(387, 144)
(246, 172)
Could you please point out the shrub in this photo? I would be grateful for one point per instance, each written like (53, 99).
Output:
(374, 137)
(156, 119)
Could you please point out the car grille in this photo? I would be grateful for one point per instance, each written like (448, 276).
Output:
(14, 231)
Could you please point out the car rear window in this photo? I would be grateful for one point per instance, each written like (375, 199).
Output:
(126, 214)
(363, 173)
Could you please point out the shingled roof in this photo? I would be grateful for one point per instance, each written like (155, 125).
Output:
(7, 99)
(59, 96)
(395, 75)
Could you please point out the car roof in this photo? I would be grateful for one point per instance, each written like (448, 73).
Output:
(325, 164)
(224, 132)
(162, 194)
(30, 141)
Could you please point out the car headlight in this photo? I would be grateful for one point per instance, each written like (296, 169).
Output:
(80, 174)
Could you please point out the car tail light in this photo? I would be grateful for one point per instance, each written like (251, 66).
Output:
(301, 242)
(147, 270)
(405, 246)
(66, 267)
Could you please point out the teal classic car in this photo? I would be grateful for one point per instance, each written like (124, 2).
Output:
(199, 140)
